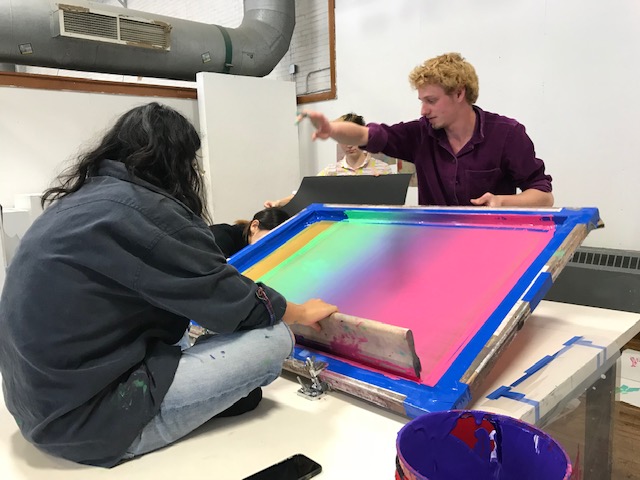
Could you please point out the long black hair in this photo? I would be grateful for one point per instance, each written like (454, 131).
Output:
(269, 218)
(156, 144)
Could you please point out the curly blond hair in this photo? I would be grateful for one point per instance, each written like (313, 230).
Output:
(451, 71)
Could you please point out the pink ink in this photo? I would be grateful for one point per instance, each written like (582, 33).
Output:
(445, 290)
(442, 281)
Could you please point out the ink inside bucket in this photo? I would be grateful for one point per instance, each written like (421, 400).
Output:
(464, 444)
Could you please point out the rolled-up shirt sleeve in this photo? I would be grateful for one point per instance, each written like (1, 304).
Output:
(526, 169)
(377, 138)
(399, 141)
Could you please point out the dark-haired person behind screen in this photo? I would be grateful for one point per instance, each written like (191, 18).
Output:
(101, 290)
(233, 238)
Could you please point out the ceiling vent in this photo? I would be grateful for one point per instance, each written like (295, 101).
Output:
(102, 26)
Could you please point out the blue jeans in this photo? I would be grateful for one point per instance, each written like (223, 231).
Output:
(212, 375)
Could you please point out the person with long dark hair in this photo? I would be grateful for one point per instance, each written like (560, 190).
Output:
(233, 238)
(101, 291)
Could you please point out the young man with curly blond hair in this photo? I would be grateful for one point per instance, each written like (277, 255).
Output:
(463, 154)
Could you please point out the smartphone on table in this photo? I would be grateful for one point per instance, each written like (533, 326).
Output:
(296, 467)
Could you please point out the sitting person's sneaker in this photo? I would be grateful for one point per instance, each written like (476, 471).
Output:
(245, 404)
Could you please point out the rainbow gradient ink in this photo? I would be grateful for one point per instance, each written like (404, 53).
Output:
(442, 281)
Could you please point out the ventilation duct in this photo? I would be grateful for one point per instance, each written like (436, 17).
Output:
(71, 21)
(79, 35)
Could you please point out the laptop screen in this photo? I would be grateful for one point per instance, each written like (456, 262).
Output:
(350, 189)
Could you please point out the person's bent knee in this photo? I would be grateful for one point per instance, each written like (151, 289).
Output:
(285, 338)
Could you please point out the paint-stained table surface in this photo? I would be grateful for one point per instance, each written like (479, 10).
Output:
(351, 438)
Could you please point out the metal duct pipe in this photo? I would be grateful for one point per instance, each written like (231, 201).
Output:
(29, 35)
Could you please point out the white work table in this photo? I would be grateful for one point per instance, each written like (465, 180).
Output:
(353, 439)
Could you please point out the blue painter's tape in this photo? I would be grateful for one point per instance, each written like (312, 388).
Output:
(564, 219)
(531, 287)
(515, 395)
(573, 340)
(589, 343)
(499, 392)
(470, 352)
(602, 355)
(506, 392)
(475, 345)
(538, 290)
(419, 399)
(543, 362)
(314, 213)
(534, 368)
(539, 365)
(563, 349)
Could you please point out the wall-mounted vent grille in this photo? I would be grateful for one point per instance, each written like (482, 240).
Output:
(102, 26)
(144, 33)
(92, 24)
(607, 259)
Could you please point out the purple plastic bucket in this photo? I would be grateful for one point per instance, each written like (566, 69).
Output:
(469, 444)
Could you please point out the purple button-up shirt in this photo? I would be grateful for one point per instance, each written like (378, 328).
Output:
(499, 158)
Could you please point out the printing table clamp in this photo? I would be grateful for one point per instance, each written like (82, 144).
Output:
(317, 388)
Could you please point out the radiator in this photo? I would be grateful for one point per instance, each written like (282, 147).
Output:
(600, 277)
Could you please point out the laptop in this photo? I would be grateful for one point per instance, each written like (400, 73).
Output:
(388, 189)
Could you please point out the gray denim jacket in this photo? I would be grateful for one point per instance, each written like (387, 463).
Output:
(102, 285)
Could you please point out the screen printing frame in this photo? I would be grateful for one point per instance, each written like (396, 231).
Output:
(457, 386)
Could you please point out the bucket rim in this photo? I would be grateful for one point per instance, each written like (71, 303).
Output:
(498, 416)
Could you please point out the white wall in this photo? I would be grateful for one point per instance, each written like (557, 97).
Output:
(42, 130)
(568, 70)
(249, 142)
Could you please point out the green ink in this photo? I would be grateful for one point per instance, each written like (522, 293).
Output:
(625, 389)
(141, 384)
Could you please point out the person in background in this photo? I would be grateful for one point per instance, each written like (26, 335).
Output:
(101, 290)
(463, 155)
(355, 162)
(233, 238)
